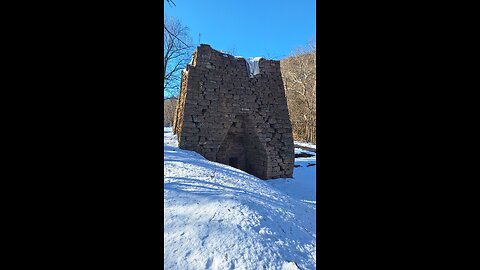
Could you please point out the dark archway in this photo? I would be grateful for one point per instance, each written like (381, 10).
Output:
(241, 148)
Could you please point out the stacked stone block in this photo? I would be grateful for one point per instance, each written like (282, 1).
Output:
(230, 118)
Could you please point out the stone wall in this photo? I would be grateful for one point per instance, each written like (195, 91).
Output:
(230, 118)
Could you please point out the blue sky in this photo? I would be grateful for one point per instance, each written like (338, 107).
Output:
(266, 28)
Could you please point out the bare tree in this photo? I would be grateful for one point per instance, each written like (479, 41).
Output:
(177, 51)
(169, 111)
(299, 76)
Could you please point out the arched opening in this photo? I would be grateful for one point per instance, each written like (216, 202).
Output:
(242, 149)
(233, 161)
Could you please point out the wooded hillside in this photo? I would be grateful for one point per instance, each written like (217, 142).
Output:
(299, 78)
(169, 106)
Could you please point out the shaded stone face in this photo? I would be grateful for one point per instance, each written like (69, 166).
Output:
(230, 118)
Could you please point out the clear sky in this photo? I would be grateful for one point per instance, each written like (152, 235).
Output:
(267, 28)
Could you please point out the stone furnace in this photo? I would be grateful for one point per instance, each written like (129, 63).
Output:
(235, 113)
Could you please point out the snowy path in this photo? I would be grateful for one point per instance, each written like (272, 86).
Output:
(218, 217)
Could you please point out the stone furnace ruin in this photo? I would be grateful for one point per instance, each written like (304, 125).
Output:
(234, 111)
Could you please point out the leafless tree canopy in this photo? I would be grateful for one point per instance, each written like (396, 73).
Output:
(177, 52)
(299, 77)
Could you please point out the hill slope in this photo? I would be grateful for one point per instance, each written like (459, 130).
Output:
(218, 217)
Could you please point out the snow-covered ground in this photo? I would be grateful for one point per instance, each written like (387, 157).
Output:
(306, 144)
(303, 184)
(218, 217)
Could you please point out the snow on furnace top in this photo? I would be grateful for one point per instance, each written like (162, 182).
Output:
(219, 217)
(252, 65)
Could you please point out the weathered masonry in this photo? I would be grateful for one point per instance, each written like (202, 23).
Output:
(235, 118)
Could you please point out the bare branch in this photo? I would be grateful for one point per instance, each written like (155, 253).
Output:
(173, 35)
(170, 2)
(177, 53)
